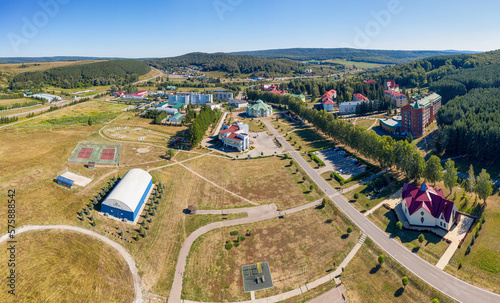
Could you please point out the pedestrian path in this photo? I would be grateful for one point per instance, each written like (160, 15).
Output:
(335, 275)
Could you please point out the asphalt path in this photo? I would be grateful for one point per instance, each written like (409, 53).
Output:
(442, 281)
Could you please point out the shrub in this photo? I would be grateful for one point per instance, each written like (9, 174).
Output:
(234, 233)
(467, 251)
(241, 239)
(236, 244)
(356, 196)
(473, 240)
(404, 281)
(349, 229)
(229, 245)
(381, 259)
(337, 177)
(435, 300)
(316, 159)
(399, 225)
(324, 202)
(421, 238)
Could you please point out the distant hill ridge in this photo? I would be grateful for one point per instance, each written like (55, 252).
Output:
(361, 55)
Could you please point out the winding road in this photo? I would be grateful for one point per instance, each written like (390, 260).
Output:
(442, 281)
(120, 249)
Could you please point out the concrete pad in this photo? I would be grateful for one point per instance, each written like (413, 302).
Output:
(79, 180)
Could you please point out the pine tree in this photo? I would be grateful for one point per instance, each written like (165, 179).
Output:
(471, 180)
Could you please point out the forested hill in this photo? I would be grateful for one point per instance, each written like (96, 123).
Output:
(352, 54)
(449, 76)
(71, 76)
(236, 64)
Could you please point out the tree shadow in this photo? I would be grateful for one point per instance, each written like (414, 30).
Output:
(399, 292)
(375, 269)
(328, 221)
(319, 207)
(415, 249)
(344, 236)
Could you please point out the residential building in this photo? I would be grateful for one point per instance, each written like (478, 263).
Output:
(223, 96)
(259, 109)
(397, 99)
(359, 97)
(235, 136)
(132, 97)
(425, 206)
(391, 85)
(118, 93)
(420, 113)
(214, 106)
(327, 100)
(238, 103)
(175, 118)
(141, 93)
(193, 98)
(346, 108)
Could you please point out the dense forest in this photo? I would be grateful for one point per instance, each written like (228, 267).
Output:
(470, 125)
(444, 73)
(230, 64)
(352, 54)
(93, 74)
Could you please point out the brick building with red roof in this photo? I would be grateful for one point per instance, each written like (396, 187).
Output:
(425, 206)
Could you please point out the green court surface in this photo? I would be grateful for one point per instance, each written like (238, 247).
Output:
(99, 153)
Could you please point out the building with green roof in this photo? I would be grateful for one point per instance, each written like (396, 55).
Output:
(259, 109)
(175, 118)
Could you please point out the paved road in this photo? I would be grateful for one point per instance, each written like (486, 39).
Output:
(255, 214)
(444, 282)
(121, 250)
(146, 80)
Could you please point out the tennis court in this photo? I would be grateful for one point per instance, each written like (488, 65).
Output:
(100, 153)
(85, 153)
(108, 154)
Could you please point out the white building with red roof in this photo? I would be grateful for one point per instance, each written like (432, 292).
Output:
(327, 100)
(425, 206)
(235, 136)
(391, 85)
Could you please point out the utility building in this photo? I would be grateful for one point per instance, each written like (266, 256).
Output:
(126, 200)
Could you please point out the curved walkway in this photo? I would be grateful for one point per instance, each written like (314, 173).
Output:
(255, 214)
(447, 284)
(121, 250)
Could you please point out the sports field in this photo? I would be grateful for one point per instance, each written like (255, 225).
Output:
(100, 153)
(135, 133)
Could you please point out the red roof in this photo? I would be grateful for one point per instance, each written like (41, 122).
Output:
(120, 92)
(328, 101)
(428, 198)
(140, 93)
(360, 97)
(279, 92)
(230, 129)
(394, 94)
(234, 137)
(369, 81)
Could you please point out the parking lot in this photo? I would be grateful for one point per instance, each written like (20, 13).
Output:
(261, 144)
(340, 162)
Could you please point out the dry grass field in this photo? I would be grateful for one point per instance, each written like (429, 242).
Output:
(366, 282)
(14, 69)
(62, 266)
(299, 248)
(22, 110)
(263, 180)
(7, 102)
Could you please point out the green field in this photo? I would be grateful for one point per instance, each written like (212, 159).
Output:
(362, 65)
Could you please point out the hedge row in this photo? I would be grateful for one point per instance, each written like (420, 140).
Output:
(316, 159)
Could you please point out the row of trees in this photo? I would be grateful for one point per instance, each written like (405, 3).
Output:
(155, 114)
(201, 122)
(83, 75)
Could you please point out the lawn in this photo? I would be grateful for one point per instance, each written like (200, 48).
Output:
(290, 245)
(77, 115)
(334, 183)
(430, 250)
(365, 123)
(366, 282)
(362, 65)
(305, 136)
(63, 266)
(481, 266)
(261, 180)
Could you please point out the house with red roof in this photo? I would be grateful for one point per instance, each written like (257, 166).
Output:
(425, 206)
(391, 85)
(235, 136)
(397, 99)
(327, 100)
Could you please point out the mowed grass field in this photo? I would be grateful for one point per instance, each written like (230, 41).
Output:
(263, 180)
(63, 266)
(300, 248)
(301, 136)
(9, 102)
(365, 282)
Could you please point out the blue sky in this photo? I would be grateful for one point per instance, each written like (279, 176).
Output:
(135, 29)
